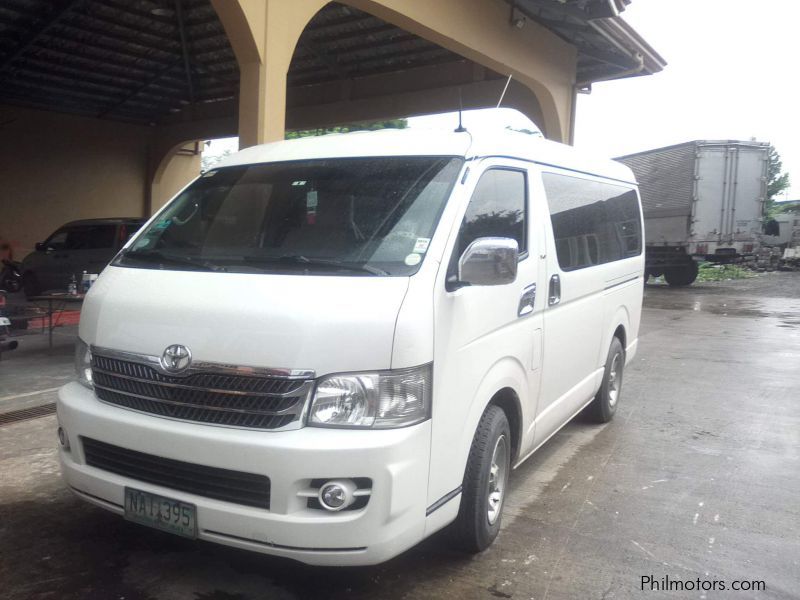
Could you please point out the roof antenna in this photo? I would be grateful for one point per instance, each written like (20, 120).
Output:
(503, 95)
(460, 128)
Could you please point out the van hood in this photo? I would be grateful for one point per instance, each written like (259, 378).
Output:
(322, 323)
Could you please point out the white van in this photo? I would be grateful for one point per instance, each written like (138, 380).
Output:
(329, 348)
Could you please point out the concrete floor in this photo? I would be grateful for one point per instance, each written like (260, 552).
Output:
(698, 476)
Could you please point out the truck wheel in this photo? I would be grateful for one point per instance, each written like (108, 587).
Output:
(604, 405)
(30, 285)
(681, 276)
(485, 482)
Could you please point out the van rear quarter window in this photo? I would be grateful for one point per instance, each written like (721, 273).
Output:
(593, 222)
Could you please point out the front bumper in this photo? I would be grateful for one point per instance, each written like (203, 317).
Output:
(395, 460)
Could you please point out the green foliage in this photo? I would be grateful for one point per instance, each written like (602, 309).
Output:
(777, 183)
(793, 206)
(710, 272)
(206, 162)
(372, 126)
(525, 130)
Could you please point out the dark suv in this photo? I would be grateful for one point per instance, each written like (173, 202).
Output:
(76, 247)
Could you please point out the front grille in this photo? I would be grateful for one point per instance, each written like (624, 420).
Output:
(204, 397)
(221, 484)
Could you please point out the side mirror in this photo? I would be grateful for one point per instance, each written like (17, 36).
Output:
(40, 247)
(489, 261)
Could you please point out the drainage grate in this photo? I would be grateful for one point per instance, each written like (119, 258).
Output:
(24, 414)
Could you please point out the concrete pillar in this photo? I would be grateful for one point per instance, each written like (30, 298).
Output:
(263, 35)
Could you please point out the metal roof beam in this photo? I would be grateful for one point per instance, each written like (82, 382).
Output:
(134, 93)
(34, 36)
(329, 61)
(184, 49)
(91, 71)
(361, 33)
(556, 7)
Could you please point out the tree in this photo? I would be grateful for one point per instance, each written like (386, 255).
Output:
(206, 162)
(371, 126)
(777, 183)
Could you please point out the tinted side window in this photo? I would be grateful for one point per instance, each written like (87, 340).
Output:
(593, 222)
(496, 209)
(93, 237)
(102, 236)
(57, 240)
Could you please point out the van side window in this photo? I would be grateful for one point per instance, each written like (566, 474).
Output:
(496, 209)
(593, 222)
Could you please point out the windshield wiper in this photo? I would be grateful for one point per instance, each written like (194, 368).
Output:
(156, 257)
(318, 262)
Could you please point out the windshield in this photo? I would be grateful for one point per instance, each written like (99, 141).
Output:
(345, 216)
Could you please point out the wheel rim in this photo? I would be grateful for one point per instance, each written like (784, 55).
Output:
(498, 473)
(614, 380)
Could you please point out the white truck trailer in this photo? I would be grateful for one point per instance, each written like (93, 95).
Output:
(702, 200)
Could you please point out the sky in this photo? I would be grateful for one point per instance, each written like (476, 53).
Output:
(732, 73)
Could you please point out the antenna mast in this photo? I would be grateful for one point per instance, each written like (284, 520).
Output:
(503, 95)
(460, 128)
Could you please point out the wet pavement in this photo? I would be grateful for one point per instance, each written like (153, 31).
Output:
(697, 477)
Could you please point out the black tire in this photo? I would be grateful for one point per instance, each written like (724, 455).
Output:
(472, 530)
(30, 285)
(604, 405)
(681, 276)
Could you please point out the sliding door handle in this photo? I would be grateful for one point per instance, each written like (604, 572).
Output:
(554, 294)
(527, 300)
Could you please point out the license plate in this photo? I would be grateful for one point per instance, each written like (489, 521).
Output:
(162, 513)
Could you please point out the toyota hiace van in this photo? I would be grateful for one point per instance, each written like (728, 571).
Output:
(330, 348)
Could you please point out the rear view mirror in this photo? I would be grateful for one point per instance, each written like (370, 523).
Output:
(489, 261)
(40, 247)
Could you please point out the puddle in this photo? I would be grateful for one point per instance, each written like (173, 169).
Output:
(786, 310)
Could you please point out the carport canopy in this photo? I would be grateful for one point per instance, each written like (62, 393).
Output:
(159, 75)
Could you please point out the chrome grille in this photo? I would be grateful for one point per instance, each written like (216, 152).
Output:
(218, 398)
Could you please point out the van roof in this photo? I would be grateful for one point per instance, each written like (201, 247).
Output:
(416, 142)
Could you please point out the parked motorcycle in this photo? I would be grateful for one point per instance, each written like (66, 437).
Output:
(5, 344)
(11, 276)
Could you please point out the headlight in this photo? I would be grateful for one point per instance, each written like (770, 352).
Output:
(83, 363)
(379, 400)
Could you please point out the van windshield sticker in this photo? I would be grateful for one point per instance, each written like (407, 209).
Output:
(421, 245)
(413, 259)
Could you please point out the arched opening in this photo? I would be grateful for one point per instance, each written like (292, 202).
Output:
(351, 65)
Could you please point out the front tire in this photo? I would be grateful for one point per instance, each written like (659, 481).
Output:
(485, 483)
(604, 405)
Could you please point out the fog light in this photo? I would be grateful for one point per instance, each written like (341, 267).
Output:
(63, 439)
(336, 495)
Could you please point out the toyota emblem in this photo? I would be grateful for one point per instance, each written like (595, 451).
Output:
(176, 358)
